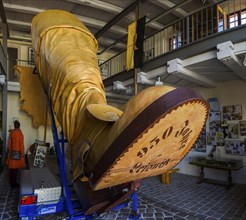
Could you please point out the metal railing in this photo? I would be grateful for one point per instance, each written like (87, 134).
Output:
(199, 25)
(11, 63)
(196, 26)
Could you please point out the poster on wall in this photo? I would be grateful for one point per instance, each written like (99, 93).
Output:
(219, 138)
(235, 147)
(215, 138)
(232, 112)
(213, 104)
(242, 128)
(232, 131)
(200, 144)
(214, 121)
(211, 138)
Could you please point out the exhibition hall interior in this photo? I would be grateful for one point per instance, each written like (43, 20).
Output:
(118, 110)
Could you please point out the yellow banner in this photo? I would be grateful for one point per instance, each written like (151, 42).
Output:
(130, 45)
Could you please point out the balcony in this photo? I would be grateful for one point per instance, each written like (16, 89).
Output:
(192, 43)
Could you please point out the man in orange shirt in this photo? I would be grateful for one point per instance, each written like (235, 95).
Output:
(16, 143)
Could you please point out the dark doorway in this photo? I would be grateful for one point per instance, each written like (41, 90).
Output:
(12, 61)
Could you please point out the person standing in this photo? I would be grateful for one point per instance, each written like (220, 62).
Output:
(15, 143)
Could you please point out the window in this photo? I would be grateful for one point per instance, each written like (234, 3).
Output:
(177, 40)
(237, 18)
(233, 20)
(221, 25)
(243, 17)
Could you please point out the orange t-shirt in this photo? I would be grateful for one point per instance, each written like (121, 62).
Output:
(16, 143)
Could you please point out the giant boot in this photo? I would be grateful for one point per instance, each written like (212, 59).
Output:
(154, 132)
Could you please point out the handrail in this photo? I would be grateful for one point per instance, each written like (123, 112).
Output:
(12, 62)
(198, 25)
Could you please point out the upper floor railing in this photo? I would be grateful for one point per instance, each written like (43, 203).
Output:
(11, 63)
(197, 26)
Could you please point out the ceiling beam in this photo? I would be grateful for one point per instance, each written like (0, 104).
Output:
(175, 67)
(121, 15)
(21, 8)
(200, 58)
(99, 5)
(113, 9)
(2, 12)
(3, 19)
(168, 4)
(19, 23)
(226, 55)
(157, 72)
(170, 10)
(87, 21)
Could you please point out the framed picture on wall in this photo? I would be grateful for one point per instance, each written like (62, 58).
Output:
(219, 138)
(200, 144)
(242, 128)
(235, 147)
(215, 138)
(211, 138)
(232, 131)
(232, 112)
(214, 121)
(214, 104)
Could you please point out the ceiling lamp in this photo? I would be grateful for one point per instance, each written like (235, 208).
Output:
(118, 86)
(129, 90)
(158, 82)
(142, 79)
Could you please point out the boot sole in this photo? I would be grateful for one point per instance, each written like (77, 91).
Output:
(155, 141)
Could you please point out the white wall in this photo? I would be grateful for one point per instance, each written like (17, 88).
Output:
(30, 134)
(228, 93)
